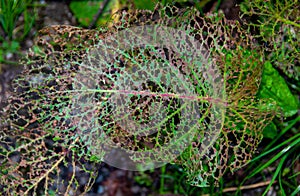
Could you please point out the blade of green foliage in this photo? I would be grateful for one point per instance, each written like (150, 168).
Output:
(283, 131)
(276, 157)
(278, 169)
(296, 191)
(280, 184)
(10, 11)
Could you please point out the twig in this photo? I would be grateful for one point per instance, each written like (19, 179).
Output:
(252, 186)
(103, 5)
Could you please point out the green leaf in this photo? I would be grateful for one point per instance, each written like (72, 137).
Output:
(56, 138)
(10, 46)
(270, 131)
(14, 46)
(145, 4)
(94, 158)
(274, 87)
(85, 11)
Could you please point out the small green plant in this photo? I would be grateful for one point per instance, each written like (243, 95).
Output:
(13, 32)
(10, 11)
(7, 47)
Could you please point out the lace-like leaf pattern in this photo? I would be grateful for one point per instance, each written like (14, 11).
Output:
(47, 123)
